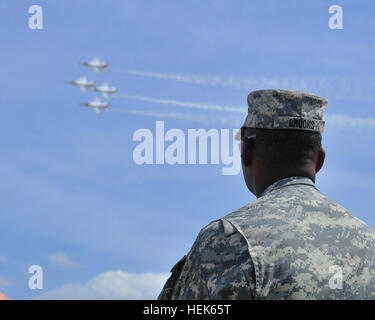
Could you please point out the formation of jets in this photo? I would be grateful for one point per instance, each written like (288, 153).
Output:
(104, 89)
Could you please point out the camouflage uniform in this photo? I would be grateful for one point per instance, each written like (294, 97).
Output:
(290, 243)
(287, 244)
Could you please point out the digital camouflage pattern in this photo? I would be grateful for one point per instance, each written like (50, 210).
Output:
(285, 109)
(290, 243)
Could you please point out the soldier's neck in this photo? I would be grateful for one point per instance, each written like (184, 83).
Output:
(270, 176)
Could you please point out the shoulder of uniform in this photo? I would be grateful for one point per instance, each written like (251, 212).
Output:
(217, 229)
(217, 233)
(294, 195)
(252, 207)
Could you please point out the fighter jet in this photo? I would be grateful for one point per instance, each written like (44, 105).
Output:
(82, 83)
(106, 90)
(97, 105)
(96, 64)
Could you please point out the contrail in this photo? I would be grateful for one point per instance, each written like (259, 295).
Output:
(345, 121)
(205, 119)
(187, 104)
(335, 87)
(336, 120)
(205, 80)
(331, 119)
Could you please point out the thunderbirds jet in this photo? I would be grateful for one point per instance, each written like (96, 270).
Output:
(106, 90)
(96, 64)
(82, 83)
(97, 105)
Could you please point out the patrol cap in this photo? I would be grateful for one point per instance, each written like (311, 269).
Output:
(284, 109)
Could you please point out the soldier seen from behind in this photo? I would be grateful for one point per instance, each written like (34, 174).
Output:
(292, 242)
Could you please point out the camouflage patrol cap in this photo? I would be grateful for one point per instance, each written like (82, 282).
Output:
(284, 109)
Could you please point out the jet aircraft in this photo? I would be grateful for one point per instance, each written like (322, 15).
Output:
(96, 64)
(106, 90)
(97, 105)
(82, 83)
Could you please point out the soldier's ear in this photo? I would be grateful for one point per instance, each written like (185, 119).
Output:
(247, 152)
(320, 161)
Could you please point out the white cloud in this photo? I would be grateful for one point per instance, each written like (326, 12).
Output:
(112, 285)
(61, 259)
(3, 259)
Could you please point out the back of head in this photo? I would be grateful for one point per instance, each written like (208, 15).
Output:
(288, 126)
(284, 129)
(287, 149)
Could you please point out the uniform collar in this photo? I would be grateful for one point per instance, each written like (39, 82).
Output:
(287, 182)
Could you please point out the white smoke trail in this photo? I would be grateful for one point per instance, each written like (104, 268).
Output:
(331, 119)
(335, 87)
(336, 120)
(187, 104)
(346, 121)
(205, 80)
(204, 119)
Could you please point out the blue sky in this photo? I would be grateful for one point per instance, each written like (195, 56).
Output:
(73, 200)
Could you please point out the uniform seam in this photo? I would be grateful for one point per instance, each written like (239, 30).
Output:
(252, 255)
(291, 184)
(204, 276)
(200, 270)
